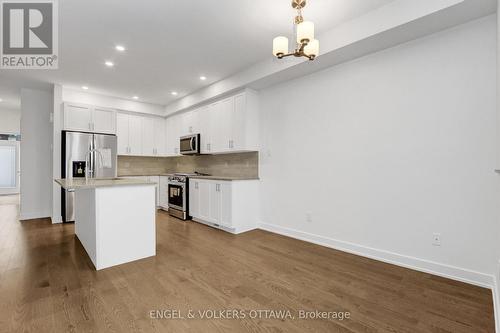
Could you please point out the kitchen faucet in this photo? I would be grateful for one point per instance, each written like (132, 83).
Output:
(87, 169)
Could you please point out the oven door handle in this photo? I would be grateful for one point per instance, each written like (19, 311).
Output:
(177, 183)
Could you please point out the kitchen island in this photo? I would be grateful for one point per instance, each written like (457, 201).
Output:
(114, 219)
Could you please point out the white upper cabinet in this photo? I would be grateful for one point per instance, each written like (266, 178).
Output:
(129, 133)
(148, 136)
(122, 133)
(204, 128)
(153, 136)
(220, 125)
(104, 120)
(245, 123)
(135, 134)
(86, 118)
(160, 137)
(189, 123)
(230, 125)
(173, 135)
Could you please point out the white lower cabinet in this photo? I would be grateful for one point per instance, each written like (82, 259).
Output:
(228, 205)
(163, 195)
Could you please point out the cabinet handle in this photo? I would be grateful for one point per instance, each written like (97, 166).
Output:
(209, 146)
(196, 185)
(90, 127)
(93, 126)
(190, 129)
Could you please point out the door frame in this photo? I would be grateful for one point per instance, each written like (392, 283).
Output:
(16, 189)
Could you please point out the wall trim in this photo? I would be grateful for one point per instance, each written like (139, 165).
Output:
(56, 219)
(426, 266)
(496, 298)
(34, 215)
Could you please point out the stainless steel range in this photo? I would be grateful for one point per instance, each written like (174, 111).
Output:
(178, 195)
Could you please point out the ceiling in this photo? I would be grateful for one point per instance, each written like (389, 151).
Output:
(170, 44)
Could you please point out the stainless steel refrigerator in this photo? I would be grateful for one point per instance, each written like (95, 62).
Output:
(76, 147)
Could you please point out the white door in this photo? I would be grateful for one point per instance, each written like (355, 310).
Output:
(122, 133)
(148, 136)
(77, 117)
(163, 192)
(9, 167)
(185, 127)
(104, 120)
(214, 202)
(194, 198)
(156, 180)
(135, 135)
(220, 116)
(238, 123)
(204, 129)
(160, 137)
(173, 135)
(225, 203)
(204, 200)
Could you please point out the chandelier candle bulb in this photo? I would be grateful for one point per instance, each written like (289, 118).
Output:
(280, 46)
(305, 31)
(312, 49)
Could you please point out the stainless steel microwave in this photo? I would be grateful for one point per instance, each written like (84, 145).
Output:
(190, 144)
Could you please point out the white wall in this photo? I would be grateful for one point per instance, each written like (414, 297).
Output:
(10, 121)
(386, 150)
(36, 154)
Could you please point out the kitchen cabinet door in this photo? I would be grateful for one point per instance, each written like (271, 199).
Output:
(214, 202)
(204, 129)
(104, 120)
(173, 135)
(220, 123)
(160, 139)
(122, 133)
(148, 136)
(187, 123)
(156, 180)
(135, 135)
(225, 204)
(77, 117)
(204, 198)
(237, 140)
(163, 192)
(194, 198)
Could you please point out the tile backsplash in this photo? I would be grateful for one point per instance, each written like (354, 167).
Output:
(226, 165)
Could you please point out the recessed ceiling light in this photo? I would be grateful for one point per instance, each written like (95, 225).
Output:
(203, 78)
(120, 48)
(135, 97)
(174, 93)
(1, 100)
(109, 63)
(85, 88)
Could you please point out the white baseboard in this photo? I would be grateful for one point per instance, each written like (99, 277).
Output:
(496, 298)
(447, 271)
(34, 215)
(56, 219)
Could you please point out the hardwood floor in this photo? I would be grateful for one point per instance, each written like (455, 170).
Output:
(48, 284)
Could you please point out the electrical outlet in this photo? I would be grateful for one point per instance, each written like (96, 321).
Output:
(308, 218)
(436, 239)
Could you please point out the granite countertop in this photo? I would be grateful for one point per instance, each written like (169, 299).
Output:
(224, 178)
(81, 183)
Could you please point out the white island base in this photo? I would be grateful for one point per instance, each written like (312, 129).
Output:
(116, 224)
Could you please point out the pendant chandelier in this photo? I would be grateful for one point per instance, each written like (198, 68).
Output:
(307, 46)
